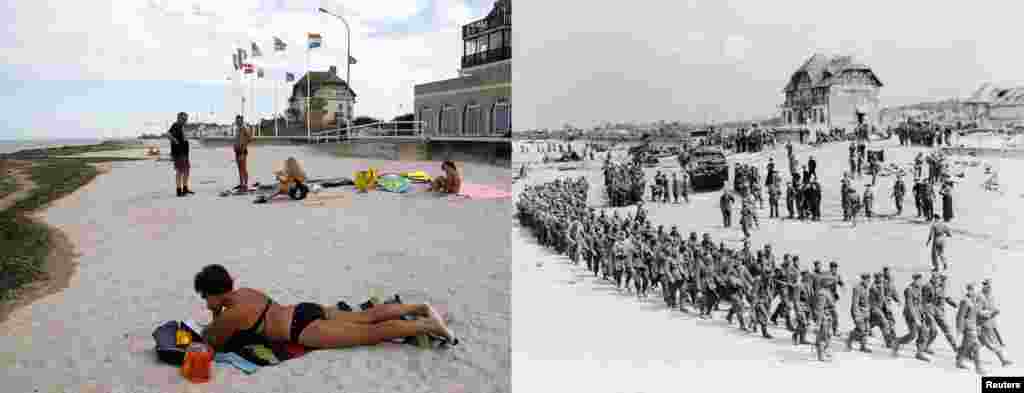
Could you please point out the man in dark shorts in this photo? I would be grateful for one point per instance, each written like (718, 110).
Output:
(179, 154)
(242, 137)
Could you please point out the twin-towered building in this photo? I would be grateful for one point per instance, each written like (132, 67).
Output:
(829, 92)
(477, 103)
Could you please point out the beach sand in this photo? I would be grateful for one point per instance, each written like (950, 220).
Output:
(573, 331)
(139, 248)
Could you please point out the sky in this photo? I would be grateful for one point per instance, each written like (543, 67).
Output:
(115, 68)
(584, 62)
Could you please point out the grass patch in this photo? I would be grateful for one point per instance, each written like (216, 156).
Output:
(73, 150)
(25, 243)
(7, 184)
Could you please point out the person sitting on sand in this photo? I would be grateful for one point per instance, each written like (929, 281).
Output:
(451, 182)
(290, 175)
(245, 316)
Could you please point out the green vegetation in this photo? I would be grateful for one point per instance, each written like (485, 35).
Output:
(73, 150)
(25, 243)
(7, 184)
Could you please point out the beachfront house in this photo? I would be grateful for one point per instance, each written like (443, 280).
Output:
(829, 92)
(339, 97)
(477, 103)
(993, 106)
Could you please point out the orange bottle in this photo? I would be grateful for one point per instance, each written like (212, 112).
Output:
(198, 365)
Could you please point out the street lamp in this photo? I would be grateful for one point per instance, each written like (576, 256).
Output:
(348, 46)
(348, 60)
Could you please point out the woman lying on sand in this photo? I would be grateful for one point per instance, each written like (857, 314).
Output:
(451, 182)
(243, 316)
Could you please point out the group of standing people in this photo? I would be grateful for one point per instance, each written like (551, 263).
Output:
(752, 140)
(624, 183)
(180, 153)
(698, 275)
(667, 190)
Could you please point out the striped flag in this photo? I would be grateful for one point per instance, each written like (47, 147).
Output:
(256, 51)
(279, 45)
(247, 68)
(289, 77)
(315, 40)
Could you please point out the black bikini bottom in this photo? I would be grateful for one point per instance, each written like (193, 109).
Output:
(305, 314)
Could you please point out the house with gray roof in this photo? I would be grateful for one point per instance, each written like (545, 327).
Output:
(829, 92)
(339, 96)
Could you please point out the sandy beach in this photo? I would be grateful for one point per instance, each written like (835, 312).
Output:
(592, 338)
(139, 247)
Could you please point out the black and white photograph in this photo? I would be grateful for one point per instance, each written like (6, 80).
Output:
(751, 195)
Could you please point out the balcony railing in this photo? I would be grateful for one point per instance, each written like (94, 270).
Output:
(485, 24)
(490, 56)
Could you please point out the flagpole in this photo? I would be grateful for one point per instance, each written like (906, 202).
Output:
(309, 102)
(275, 108)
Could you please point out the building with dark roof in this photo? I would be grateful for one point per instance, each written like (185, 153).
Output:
(829, 92)
(993, 106)
(477, 103)
(327, 85)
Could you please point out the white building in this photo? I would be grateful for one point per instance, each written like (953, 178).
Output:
(327, 85)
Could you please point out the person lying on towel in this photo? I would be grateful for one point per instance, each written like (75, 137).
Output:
(451, 182)
(289, 177)
(245, 316)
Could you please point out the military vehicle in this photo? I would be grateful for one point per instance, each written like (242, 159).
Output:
(708, 168)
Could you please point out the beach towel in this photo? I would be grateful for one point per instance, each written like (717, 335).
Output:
(479, 191)
(393, 183)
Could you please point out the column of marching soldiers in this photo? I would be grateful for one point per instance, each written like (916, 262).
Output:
(695, 274)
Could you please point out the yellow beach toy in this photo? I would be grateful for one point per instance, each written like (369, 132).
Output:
(417, 177)
(366, 180)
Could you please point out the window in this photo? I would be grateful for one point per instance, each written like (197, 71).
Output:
(470, 47)
(427, 117)
(508, 38)
(472, 123)
(502, 117)
(481, 44)
(448, 121)
(496, 40)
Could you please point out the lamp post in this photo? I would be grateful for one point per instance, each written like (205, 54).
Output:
(348, 45)
(348, 57)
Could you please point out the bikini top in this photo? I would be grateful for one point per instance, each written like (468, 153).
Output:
(252, 335)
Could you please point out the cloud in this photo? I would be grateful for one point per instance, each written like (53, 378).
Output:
(735, 47)
(192, 41)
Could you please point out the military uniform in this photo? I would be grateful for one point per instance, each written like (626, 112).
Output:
(898, 193)
(824, 309)
(913, 313)
(967, 323)
(936, 299)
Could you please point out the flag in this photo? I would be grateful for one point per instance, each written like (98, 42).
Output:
(247, 68)
(351, 60)
(289, 77)
(315, 40)
(256, 50)
(259, 73)
(279, 46)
